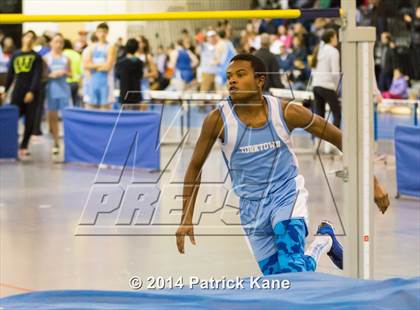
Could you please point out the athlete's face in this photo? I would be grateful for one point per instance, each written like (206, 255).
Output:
(28, 40)
(101, 34)
(57, 44)
(242, 82)
(334, 41)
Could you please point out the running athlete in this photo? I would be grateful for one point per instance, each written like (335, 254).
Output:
(100, 61)
(254, 132)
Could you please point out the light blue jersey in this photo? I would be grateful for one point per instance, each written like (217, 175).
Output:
(58, 90)
(261, 162)
(273, 199)
(101, 82)
(99, 56)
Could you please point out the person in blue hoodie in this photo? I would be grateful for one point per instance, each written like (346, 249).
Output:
(399, 87)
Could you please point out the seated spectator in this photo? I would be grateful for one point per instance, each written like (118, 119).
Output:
(299, 49)
(282, 38)
(399, 87)
(285, 60)
(300, 30)
(300, 75)
(285, 36)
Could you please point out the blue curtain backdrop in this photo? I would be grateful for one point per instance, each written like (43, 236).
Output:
(112, 137)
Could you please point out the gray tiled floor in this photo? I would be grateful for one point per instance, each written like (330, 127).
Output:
(42, 202)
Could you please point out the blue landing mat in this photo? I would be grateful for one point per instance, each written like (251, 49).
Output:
(307, 291)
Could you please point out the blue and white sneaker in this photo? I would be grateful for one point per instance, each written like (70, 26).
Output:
(336, 252)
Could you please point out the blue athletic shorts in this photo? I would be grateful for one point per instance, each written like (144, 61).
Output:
(259, 218)
(57, 104)
(99, 94)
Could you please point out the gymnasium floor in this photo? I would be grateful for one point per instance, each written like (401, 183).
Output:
(41, 203)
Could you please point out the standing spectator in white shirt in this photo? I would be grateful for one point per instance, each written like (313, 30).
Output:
(326, 75)
(208, 64)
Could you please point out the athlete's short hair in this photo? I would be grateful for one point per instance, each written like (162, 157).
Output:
(103, 26)
(131, 46)
(34, 36)
(256, 63)
(328, 35)
(58, 34)
(67, 44)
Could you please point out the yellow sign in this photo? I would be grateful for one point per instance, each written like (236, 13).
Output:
(23, 63)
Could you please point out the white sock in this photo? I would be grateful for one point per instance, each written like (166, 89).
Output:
(320, 245)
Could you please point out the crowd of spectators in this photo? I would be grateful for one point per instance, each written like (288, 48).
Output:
(85, 72)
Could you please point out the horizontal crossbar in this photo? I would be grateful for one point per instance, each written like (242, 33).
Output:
(240, 14)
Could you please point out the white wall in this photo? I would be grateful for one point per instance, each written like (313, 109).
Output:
(62, 7)
(168, 31)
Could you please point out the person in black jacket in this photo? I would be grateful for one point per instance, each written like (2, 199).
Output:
(270, 62)
(387, 61)
(413, 22)
(25, 70)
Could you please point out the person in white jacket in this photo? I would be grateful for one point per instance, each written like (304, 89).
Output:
(326, 76)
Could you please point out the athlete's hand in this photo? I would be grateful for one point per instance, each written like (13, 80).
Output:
(29, 97)
(185, 229)
(407, 18)
(61, 73)
(381, 197)
(102, 68)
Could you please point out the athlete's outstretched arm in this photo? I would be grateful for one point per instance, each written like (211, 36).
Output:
(211, 130)
(297, 116)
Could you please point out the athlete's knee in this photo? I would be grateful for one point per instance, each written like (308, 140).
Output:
(290, 237)
(269, 265)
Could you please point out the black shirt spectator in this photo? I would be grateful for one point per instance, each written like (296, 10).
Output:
(270, 61)
(25, 70)
(129, 70)
(413, 22)
(387, 59)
